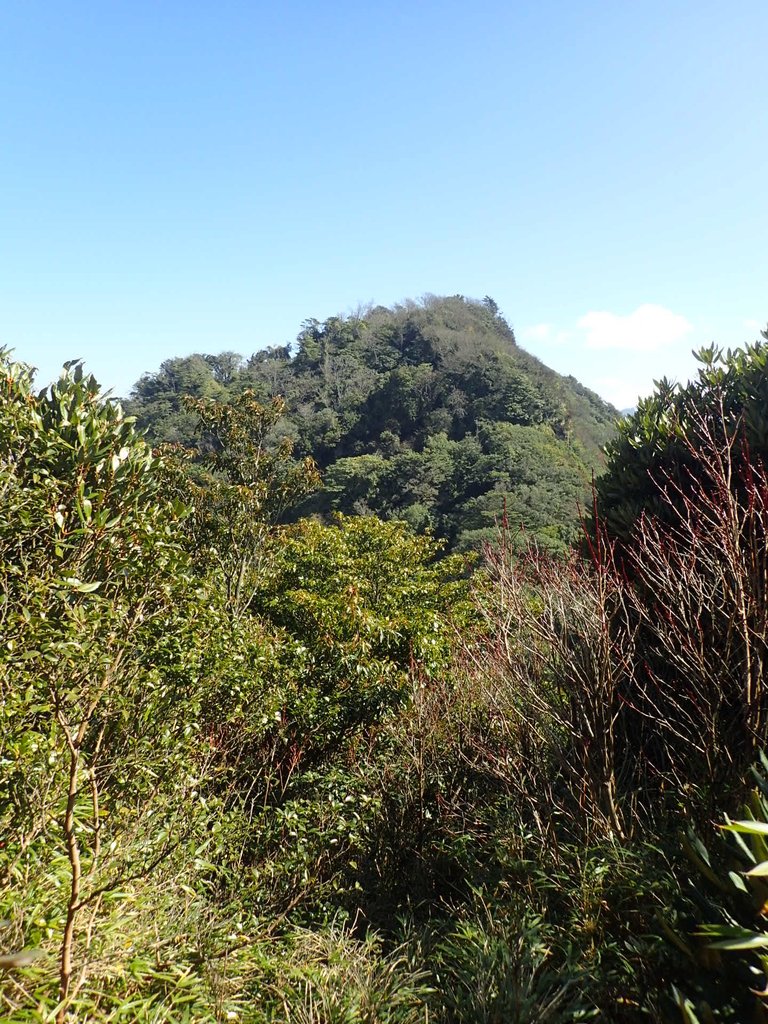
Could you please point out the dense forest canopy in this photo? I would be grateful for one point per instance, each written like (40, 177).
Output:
(428, 412)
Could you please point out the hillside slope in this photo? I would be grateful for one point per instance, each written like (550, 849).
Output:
(427, 412)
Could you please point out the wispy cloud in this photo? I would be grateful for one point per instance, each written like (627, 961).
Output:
(648, 329)
(539, 332)
(545, 333)
(619, 356)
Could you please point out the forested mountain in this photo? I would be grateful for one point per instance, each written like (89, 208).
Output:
(428, 412)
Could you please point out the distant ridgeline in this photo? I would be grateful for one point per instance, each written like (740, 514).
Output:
(428, 412)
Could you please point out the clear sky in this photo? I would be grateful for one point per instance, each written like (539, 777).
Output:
(199, 176)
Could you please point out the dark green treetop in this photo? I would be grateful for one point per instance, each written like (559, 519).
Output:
(658, 447)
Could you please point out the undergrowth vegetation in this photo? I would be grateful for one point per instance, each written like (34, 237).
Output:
(321, 772)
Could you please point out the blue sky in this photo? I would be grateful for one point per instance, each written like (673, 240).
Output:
(198, 176)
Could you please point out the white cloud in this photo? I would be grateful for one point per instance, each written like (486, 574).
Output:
(618, 391)
(539, 332)
(648, 329)
(545, 333)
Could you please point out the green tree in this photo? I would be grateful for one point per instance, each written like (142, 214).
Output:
(252, 480)
(366, 601)
(656, 452)
(157, 399)
(104, 634)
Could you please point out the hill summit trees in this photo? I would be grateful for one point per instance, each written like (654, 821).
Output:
(428, 412)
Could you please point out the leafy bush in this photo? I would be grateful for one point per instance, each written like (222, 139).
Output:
(659, 448)
(105, 637)
(718, 921)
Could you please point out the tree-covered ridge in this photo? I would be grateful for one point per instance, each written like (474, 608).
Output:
(428, 412)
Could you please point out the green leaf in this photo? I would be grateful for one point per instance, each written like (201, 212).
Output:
(752, 941)
(737, 881)
(753, 828)
(80, 587)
